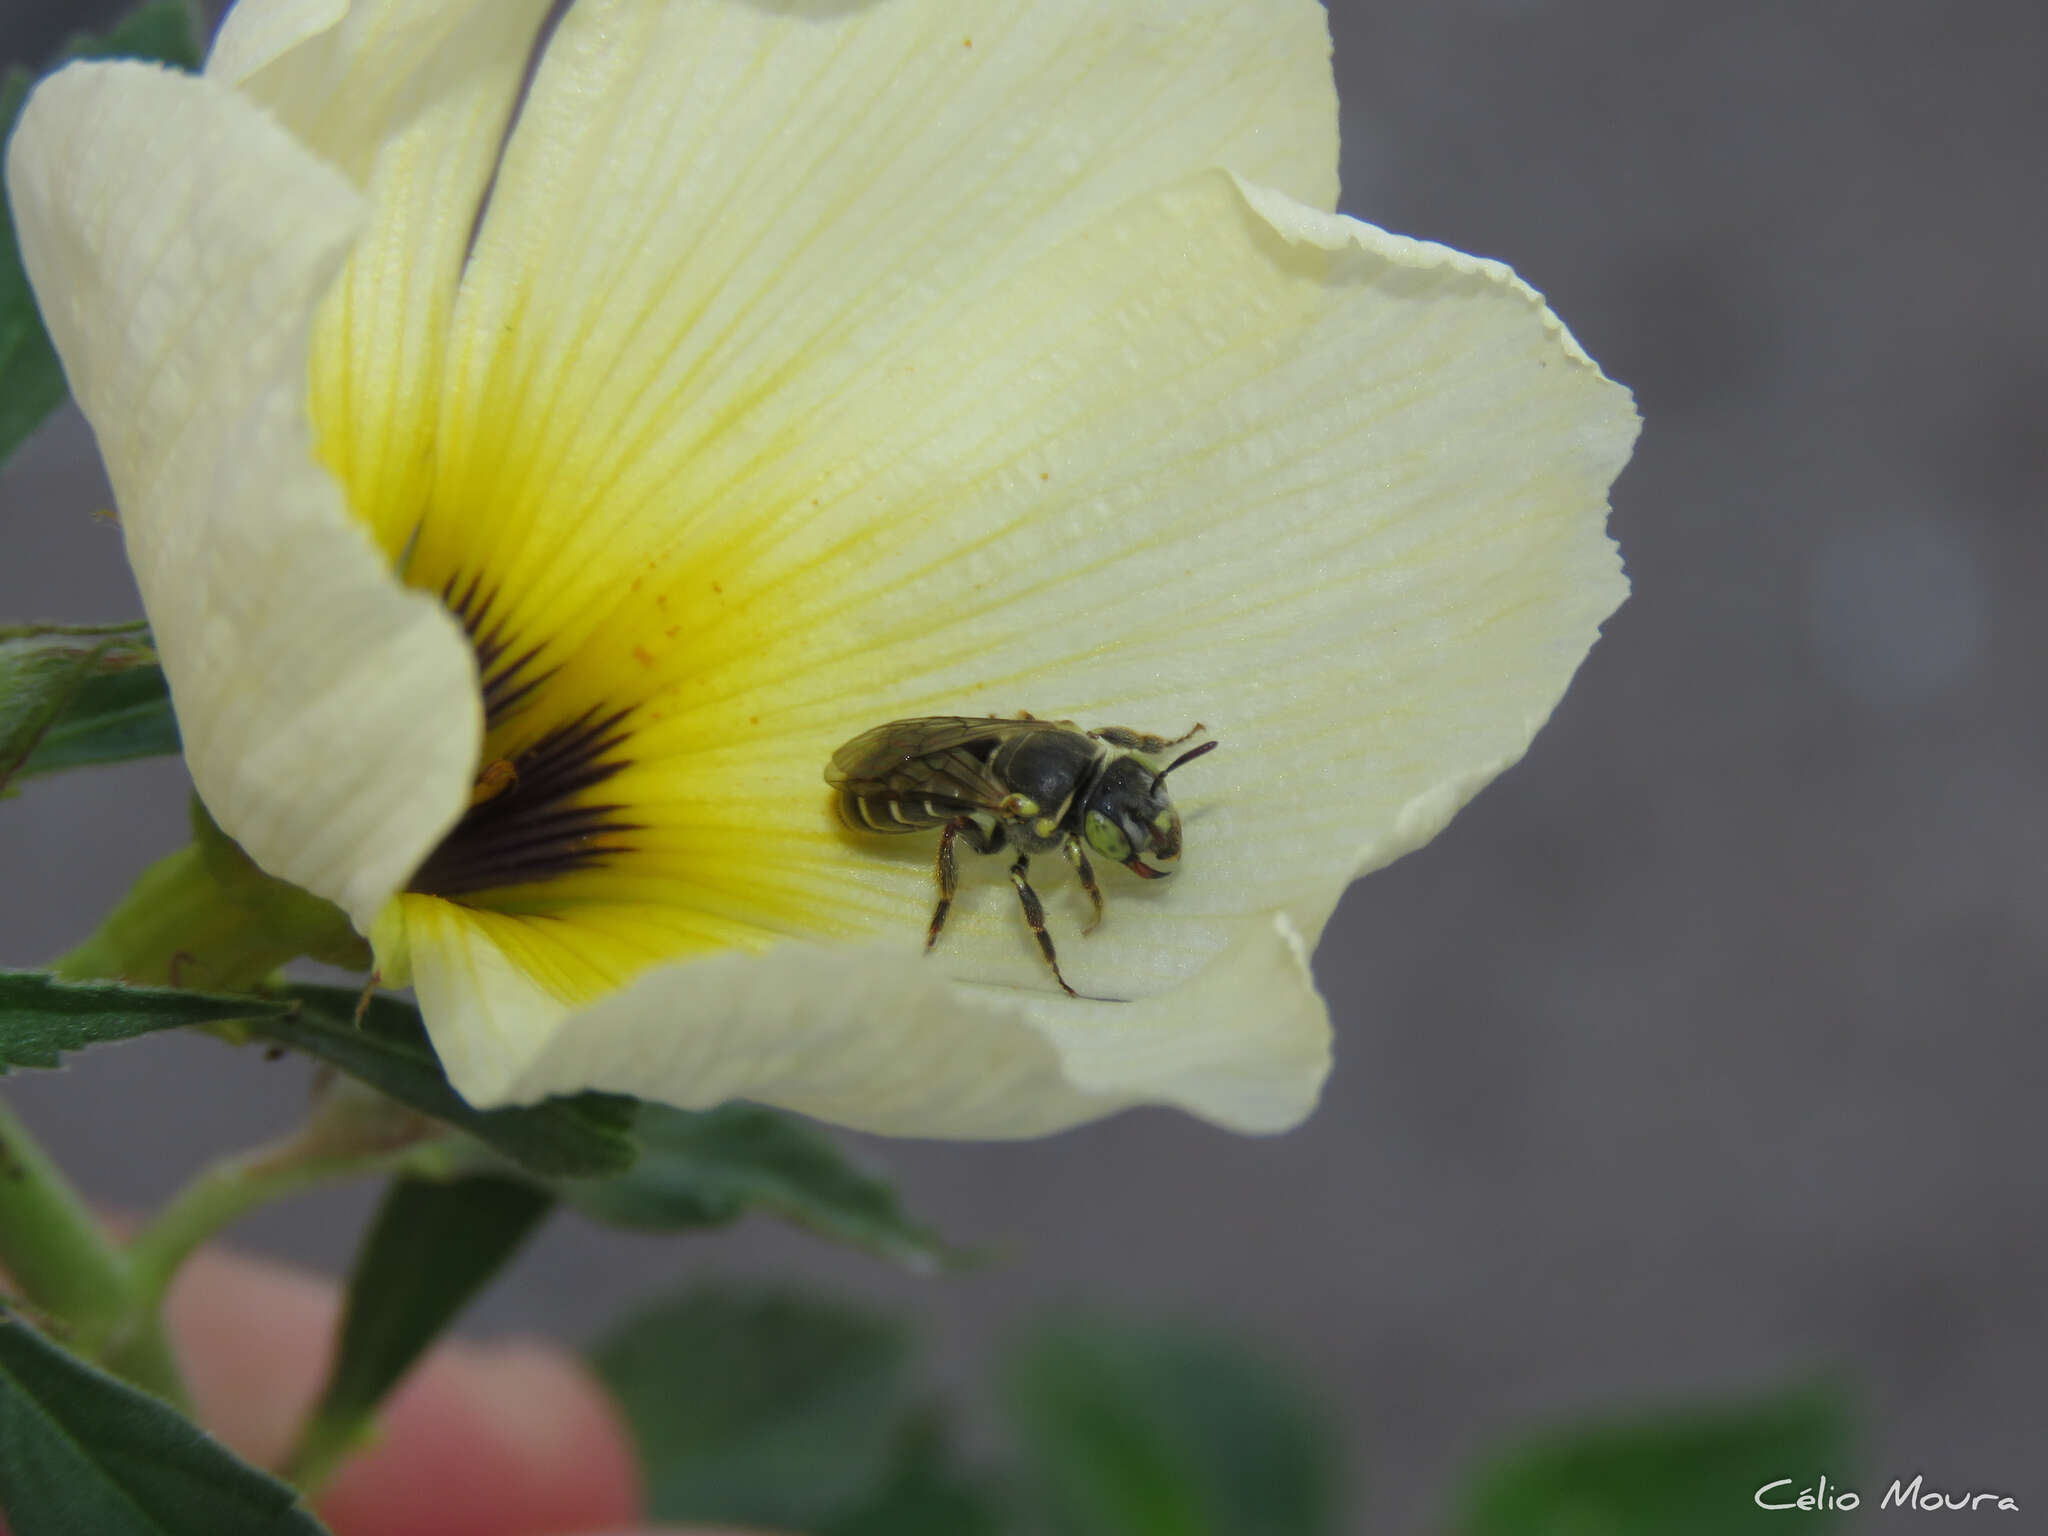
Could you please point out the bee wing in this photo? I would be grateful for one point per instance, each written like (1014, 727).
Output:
(940, 757)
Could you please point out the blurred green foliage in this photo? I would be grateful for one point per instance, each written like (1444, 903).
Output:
(799, 1414)
(760, 1407)
(707, 1168)
(1169, 1432)
(1688, 1473)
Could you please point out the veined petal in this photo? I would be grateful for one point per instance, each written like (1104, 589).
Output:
(703, 198)
(411, 98)
(1337, 494)
(866, 1037)
(1222, 458)
(178, 240)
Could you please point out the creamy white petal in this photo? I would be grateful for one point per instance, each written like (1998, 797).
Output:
(1350, 512)
(412, 99)
(349, 76)
(869, 1037)
(702, 195)
(258, 34)
(178, 240)
(1338, 495)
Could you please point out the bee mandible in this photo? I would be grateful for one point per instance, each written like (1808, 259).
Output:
(1028, 784)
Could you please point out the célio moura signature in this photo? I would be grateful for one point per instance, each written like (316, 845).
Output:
(1783, 1494)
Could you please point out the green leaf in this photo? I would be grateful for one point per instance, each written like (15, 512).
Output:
(112, 718)
(759, 1408)
(925, 1494)
(707, 1168)
(1158, 1431)
(1689, 1474)
(432, 1248)
(82, 1452)
(31, 378)
(70, 696)
(581, 1136)
(41, 1017)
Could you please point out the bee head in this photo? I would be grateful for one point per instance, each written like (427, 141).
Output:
(1129, 817)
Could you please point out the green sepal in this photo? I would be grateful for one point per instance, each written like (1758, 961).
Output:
(291, 919)
(586, 1135)
(431, 1249)
(207, 916)
(708, 1168)
(41, 1017)
(81, 1452)
(31, 378)
(759, 1408)
(1691, 1473)
(1161, 1431)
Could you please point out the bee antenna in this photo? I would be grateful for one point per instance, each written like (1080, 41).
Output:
(1186, 757)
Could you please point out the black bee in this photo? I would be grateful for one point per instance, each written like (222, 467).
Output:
(1029, 784)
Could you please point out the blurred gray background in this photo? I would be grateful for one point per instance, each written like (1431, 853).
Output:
(1705, 1051)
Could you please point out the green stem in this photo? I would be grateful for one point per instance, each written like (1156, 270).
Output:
(107, 1302)
(69, 1268)
(354, 1135)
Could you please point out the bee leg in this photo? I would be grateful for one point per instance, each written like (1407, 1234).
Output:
(948, 873)
(1034, 914)
(1079, 859)
(949, 879)
(1141, 741)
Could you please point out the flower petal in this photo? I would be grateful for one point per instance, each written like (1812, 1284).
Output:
(870, 1038)
(702, 196)
(1340, 496)
(178, 240)
(411, 99)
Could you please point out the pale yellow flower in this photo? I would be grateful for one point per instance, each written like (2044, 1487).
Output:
(802, 365)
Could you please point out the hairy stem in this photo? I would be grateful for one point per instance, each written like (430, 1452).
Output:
(353, 1133)
(71, 1271)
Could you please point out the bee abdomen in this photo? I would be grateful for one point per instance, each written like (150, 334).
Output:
(894, 813)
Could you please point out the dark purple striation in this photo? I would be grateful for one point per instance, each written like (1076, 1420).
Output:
(538, 826)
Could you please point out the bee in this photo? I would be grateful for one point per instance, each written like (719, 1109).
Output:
(1028, 784)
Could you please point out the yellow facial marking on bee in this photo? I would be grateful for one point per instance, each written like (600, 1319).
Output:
(1106, 838)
